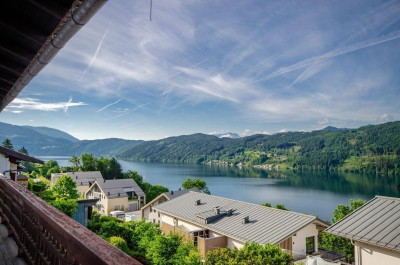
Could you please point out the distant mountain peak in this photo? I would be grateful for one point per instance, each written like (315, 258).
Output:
(333, 129)
(227, 135)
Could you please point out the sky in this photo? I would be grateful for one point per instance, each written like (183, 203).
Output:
(220, 66)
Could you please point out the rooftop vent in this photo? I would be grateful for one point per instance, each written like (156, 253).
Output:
(245, 220)
(217, 210)
(104, 181)
(172, 192)
(76, 177)
(197, 202)
(108, 193)
(119, 194)
(229, 212)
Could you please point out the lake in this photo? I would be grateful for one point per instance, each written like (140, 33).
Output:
(316, 193)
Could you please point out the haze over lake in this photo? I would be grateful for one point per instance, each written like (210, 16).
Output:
(316, 193)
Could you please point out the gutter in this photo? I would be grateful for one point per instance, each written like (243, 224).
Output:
(81, 13)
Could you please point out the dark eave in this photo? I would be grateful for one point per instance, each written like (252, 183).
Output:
(32, 32)
(16, 156)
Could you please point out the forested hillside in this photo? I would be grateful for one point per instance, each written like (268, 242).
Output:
(373, 148)
(43, 141)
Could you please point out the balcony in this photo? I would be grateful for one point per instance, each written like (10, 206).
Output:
(44, 235)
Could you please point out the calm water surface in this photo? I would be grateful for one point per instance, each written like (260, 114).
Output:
(312, 193)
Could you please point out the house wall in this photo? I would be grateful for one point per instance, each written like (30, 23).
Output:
(206, 244)
(82, 190)
(232, 243)
(152, 215)
(366, 254)
(112, 203)
(299, 240)
(4, 165)
(170, 220)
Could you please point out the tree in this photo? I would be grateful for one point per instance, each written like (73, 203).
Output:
(119, 243)
(115, 168)
(336, 243)
(65, 188)
(88, 162)
(154, 191)
(7, 144)
(67, 206)
(76, 162)
(251, 253)
(163, 248)
(23, 151)
(195, 183)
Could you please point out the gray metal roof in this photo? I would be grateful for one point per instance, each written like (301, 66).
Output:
(175, 194)
(266, 225)
(375, 223)
(114, 188)
(83, 178)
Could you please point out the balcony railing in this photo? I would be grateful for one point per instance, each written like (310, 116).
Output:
(44, 235)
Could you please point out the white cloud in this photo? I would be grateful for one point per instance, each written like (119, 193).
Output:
(20, 104)
(385, 118)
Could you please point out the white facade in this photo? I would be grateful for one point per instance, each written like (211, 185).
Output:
(366, 254)
(4, 165)
(299, 240)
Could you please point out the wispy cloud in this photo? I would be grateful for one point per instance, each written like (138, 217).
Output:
(109, 105)
(21, 104)
(331, 54)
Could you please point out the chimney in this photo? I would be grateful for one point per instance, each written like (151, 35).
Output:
(119, 194)
(217, 210)
(245, 220)
(76, 177)
(198, 202)
(172, 192)
(108, 193)
(104, 181)
(229, 212)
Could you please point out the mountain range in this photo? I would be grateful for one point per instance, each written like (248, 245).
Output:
(44, 141)
(372, 148)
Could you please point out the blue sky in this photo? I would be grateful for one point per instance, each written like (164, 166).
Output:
(217, 66)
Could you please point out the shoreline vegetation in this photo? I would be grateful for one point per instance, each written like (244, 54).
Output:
(373, 149)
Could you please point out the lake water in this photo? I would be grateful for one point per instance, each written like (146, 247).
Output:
(313, 193)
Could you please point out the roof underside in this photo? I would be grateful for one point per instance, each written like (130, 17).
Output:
(16, 156)
(376, 223)
(266, 225)
(25, 27)
(32, 32)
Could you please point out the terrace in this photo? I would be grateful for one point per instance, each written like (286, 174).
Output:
(32, 231)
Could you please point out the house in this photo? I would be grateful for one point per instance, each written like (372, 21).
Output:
(374, 230)
(116, 194)
(214, 222)
(83, 179)
(151, 215)
(10, 163)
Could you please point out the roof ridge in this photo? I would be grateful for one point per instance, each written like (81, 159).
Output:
(261, 206)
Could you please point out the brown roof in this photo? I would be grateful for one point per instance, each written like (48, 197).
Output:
(19, 156)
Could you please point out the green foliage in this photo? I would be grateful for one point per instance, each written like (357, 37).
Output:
(65, 188)
(119, 243)
(195, 183)
(154, 190)
(277, 206)
(144, 241)
(151, 191)
(67, 206)
(23, 151)
(335, 243)
(369, 149)
(251, 253)
(7, 144)
(37, 186)
(109, 167)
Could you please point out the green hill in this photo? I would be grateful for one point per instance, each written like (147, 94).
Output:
(373, 148)
(43, 141)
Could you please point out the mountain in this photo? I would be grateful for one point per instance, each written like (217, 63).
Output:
(227, 135)
(372, 148)
(53, 133)
(333, 129)
(43, 141)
